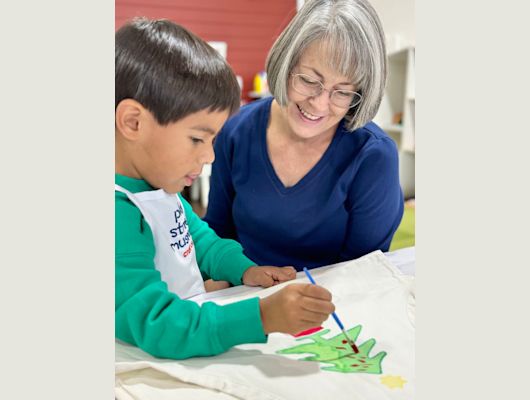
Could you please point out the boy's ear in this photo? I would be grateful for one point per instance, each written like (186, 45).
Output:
(128, 116)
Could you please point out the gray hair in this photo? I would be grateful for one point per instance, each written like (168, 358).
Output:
(352, 38)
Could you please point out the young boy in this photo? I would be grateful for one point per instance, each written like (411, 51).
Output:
(173, 94)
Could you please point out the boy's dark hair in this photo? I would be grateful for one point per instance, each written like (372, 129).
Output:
(171, 72)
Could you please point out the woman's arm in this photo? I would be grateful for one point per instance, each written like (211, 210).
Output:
(375, 201)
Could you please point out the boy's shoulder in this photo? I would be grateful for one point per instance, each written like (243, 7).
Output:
(125, 211)
(127, 214)
(132, 234)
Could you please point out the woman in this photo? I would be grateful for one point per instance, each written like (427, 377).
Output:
(304, 178)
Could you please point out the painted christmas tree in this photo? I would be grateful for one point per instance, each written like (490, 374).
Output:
(338, 353)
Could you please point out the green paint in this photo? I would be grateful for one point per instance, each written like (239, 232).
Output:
(339, 355)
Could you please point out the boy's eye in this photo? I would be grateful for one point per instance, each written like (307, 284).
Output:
(197, 140)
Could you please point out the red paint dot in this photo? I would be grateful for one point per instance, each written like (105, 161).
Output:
(362, 361)
(344, 341)
(355, 365)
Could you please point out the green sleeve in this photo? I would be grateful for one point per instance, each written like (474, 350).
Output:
(147, 315)
(220, 259)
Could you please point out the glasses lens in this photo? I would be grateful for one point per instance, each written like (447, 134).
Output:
(345, 98)
(306, 85)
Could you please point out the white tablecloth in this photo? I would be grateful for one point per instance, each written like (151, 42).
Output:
(373, 291)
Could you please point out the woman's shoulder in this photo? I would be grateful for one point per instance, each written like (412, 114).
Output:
(370, 138)
(250, 115)
(257, 106)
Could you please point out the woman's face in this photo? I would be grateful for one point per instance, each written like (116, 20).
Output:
(310, 117)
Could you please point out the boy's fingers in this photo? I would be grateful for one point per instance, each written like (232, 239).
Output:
(282, 274)
(313, 318)
(312, 304)
(265, 279)
(291, 271)
(316, 291)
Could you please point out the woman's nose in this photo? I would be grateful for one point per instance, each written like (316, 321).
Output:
(321, 101)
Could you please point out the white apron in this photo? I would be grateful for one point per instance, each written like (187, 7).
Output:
(174, 249)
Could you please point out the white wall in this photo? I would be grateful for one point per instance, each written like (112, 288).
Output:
(398, 19)
(299, 4)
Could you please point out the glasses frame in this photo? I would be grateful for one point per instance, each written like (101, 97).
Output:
(322, 89)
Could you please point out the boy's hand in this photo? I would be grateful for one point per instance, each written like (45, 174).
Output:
(210, 285)
(268, 276)
(295, 308)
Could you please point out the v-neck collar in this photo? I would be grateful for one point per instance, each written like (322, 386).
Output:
(313, 172)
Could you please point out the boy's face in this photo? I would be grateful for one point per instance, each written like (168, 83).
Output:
(171, 157)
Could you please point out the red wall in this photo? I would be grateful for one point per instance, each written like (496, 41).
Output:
(249, 27)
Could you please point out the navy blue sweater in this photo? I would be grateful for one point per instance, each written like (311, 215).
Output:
(349, 204)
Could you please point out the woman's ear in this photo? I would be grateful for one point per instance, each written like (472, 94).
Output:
(128, 115)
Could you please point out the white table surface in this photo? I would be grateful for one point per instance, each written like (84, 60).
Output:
(403, 259)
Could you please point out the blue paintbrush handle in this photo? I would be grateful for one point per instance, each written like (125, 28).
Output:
(337, 320)
(309, 276)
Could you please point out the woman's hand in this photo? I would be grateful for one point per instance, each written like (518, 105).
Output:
(267, 276)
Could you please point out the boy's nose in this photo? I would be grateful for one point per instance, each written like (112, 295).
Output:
(208, 156)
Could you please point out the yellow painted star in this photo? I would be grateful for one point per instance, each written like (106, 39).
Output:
(393, 381)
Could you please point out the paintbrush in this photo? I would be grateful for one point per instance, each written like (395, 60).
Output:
(335, 317)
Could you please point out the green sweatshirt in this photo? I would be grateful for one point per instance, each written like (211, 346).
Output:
(147, 315)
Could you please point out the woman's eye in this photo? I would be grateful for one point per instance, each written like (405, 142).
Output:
(309, 81)
(344, 94)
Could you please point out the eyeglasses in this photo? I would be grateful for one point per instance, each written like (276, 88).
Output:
(309, 86)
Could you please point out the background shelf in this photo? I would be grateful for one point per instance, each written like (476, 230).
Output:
(400, 98)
